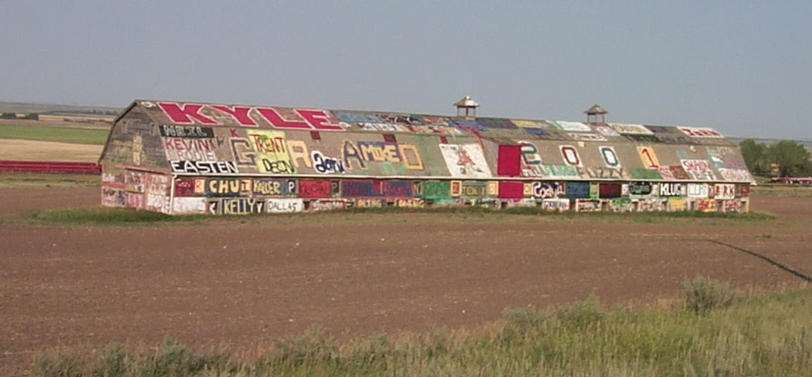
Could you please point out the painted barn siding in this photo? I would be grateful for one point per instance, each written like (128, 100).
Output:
(229, 159)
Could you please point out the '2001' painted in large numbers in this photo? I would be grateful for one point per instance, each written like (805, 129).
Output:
(570, 155)
(648, 157)
(610, 157)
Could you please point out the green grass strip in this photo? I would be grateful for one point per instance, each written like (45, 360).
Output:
(58, 134)
(105, 216)
(760, 335)
(123, 216)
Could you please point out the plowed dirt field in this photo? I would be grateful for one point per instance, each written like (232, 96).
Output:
(241, 282)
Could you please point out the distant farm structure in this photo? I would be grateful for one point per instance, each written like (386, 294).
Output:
(181, 157)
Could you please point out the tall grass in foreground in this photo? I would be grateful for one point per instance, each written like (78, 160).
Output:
(761, 335)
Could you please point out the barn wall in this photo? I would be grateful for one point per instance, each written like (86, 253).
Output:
(194, 158)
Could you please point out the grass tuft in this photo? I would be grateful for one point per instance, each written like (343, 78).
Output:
(104, 216)
(311, 347)
(703, 294)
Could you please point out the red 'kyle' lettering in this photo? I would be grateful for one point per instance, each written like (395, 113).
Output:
(183, 114)
(276, 120)
(318, 119)
(239, 113)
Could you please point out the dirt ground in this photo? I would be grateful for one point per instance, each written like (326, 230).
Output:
(241, 283)
(31, 150)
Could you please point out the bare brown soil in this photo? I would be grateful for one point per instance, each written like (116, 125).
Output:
(241, 283)
(31, 150)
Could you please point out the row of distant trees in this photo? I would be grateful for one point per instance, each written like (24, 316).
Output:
(32, 116)
(784, 159)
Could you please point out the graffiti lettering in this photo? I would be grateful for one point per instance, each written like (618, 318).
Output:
(640, 189)
(699, 170)
(284, 205)
(724, 191)
(738, 175)
(697, 190)
(586, 136)
(353, 189)
(185, 131)
(570, 155)
(326, 165)
(184, 187)
(410, 203)
(177, 148)
(277, 167)
(557, 205)
(238, 113)
(185, 113)
(374, 151)
(620, 205)
(474, 189)
(609, 157)
(733, 205)
(134, 200)
(672, 189)
(157, 202)
(631, 129)
(602, 173)
(673, 173)
(366, 126)
(203, 167)
(327, 204)
(264, 186)
(651, 205)
(241, 206)
(436, 189)
(267, 144)
(396, 189)
(188, 205)
(587, 205)
(706, 205)
(648, 157)
(227, 186)
(560, 171)
(548, 190)
(242, 152)
(369, 203)
(531, 161)
(311, 188)
(700, 132)
(134, 181)
(298, 152)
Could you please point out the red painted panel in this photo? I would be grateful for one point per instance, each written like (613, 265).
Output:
(511, 190)
(184, 187)
(508, 164)
(609, 190)
(314, 188)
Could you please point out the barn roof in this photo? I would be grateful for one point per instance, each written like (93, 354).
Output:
(328, 130)
(218, 115)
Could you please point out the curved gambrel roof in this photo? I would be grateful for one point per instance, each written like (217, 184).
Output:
(307, 141)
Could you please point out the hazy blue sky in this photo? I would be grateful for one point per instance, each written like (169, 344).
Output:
(742, 67)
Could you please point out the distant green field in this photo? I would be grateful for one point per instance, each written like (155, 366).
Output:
(59, 134)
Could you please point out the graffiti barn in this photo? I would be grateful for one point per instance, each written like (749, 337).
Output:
(182, 158)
